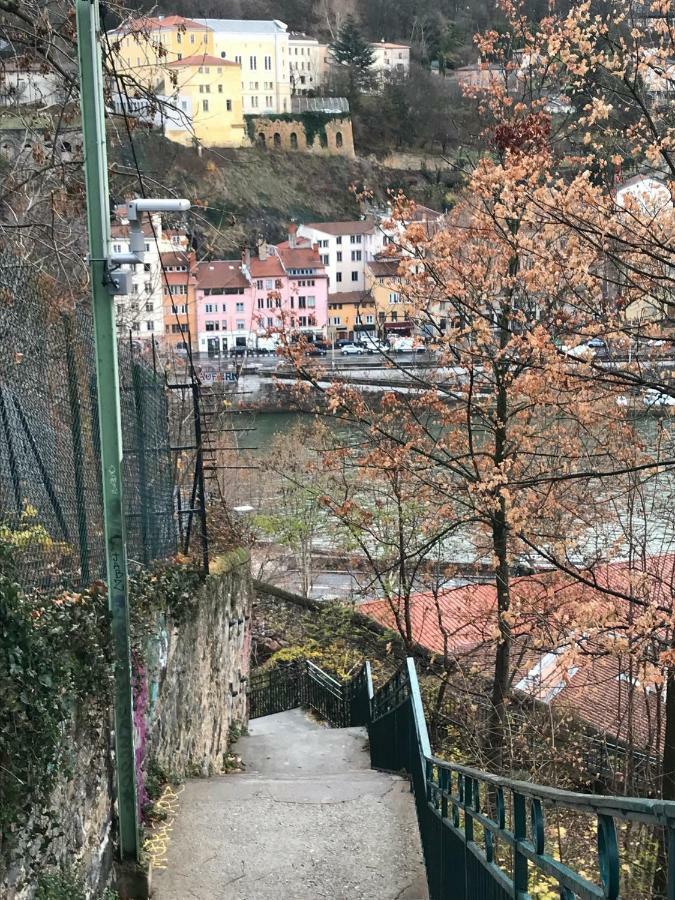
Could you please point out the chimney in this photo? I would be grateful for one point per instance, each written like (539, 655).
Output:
(262, 250)
(315, 248)
(293, 235)
(246, 256)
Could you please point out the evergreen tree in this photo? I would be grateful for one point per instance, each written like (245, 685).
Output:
(351, 50)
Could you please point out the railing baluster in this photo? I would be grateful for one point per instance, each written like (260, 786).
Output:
(520, 874)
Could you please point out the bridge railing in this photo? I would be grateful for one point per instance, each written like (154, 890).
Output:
(485, 837)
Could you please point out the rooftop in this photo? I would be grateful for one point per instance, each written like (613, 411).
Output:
(588, 682)
(204, 60)
(154, 23)
(389, 45)
(302, 257)
(351, 297)
(381, 268)
(360, 226)
(246, 26)
(266, 268)
(221, 273)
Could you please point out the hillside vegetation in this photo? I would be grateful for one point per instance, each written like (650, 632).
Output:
(249, 194)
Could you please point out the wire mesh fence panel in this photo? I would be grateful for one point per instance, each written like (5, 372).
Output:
(148, 466)
(51, 508)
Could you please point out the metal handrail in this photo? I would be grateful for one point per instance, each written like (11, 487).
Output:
(448, 800)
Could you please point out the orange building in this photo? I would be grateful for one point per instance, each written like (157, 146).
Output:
(180, 299)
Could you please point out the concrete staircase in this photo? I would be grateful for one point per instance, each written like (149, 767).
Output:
(307, 819)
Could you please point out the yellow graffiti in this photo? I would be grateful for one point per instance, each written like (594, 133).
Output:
(156, 845)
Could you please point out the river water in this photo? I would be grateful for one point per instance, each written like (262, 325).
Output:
(650, 523)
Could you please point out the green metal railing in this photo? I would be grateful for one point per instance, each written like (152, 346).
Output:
(485, 837)
(302, 683)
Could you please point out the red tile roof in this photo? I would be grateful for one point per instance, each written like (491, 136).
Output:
(153, 23)
(589, 682)
(221, 273)
(300, 258)
(118, 230)
(364, 297)
(204, 60)
(266, 268)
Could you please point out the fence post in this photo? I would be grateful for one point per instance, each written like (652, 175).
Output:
(11, 454)
(136, 375)
(78, 453)
(199, 463)
(98, 221)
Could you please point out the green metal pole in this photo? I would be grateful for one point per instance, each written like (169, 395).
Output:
(98, 214)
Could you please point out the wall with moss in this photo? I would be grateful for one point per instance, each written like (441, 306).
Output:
(322, 134)
(190, 651)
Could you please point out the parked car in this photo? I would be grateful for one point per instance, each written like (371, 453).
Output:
(407, 345)
(593, 348)
(372, 344)
(315, 350)
(341, 343)
(352, 350)
(654, 399)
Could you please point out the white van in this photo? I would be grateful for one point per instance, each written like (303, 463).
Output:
(407, 345)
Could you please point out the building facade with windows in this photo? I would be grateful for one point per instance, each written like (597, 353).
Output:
(179, 292)
(141, 313)
(304, 64)
(390, 60)
(393, 310)
(350, 314)
(290, 288)
(345, 249)
(208, 94)
(143, 47)
(261, 49)
(225, 317)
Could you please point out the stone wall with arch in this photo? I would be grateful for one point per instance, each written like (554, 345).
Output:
(334, 138)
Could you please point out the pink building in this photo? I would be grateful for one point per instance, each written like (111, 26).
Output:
(290, 287)
(284, 287)
(224, 307)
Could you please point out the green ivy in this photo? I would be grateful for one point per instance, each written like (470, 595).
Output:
(55, 661)
(53, 652)
(66, 885)
(163, 589)
(314, 123)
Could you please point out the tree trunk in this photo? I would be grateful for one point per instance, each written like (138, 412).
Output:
(660, 883)
(500, 683)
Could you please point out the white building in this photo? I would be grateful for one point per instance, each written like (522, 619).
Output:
(390, 60)
(141, 312)
(304, 63)
(27, 84)
(345, 248)
(261, 47)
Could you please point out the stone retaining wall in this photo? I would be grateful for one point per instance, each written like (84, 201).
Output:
(195, 676)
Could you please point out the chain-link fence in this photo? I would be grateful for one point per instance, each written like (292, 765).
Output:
(51, 509)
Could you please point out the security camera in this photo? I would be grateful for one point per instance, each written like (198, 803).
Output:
(135, 208)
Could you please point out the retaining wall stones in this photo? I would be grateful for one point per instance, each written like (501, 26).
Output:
(195, 677)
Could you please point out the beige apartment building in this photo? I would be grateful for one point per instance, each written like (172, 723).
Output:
(261, 48)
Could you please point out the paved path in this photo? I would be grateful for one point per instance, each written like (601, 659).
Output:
(308, 819)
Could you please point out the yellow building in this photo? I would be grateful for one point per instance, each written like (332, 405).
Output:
(207, 96)
(392, 309)
(350, 314)
(143, 47)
